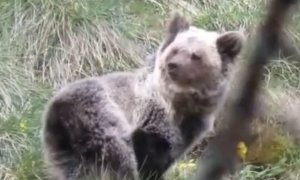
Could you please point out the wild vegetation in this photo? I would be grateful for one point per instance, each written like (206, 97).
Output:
(47, 43)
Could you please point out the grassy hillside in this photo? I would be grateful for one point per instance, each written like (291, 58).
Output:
(46, 43)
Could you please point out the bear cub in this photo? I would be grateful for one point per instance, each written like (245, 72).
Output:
(132, 124)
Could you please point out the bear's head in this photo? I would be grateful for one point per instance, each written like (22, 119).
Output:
(191, 58)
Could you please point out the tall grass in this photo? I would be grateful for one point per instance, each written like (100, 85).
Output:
(47, 43)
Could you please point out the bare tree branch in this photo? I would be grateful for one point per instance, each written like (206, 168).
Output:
(221, 157)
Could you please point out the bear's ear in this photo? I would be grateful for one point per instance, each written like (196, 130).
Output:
(176, 24)
(230, 43)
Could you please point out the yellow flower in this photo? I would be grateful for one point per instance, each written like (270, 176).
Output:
(187, 165)
(242, 150)
(23, 126)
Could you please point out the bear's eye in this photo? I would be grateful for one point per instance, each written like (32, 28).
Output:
(174, 51)
(196, 57)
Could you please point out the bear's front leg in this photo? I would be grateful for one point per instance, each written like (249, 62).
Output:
(152, 152)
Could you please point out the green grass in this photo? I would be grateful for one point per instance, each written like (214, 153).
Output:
(47, 43)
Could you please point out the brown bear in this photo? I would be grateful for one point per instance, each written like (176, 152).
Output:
(103, 124)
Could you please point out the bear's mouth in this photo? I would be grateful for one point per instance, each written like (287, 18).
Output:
(180, 79)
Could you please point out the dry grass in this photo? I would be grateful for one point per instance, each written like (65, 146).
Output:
(58, 45)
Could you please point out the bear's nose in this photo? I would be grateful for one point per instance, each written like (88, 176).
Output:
(172, 67)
